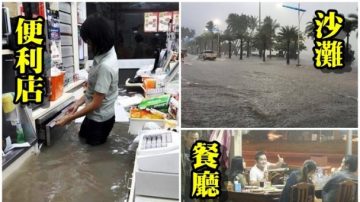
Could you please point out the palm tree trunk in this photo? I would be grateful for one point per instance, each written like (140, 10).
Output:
(248, 49)
(288, 53)
(264, 56)
(347, 49)
(219, 49)
(212, 44)
(264, 52)
(241, 49)
(229, 49)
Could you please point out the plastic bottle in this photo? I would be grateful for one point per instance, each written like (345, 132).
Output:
(20, 137)
(267, 182)
(237, 186)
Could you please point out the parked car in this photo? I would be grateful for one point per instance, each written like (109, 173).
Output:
(208, 55)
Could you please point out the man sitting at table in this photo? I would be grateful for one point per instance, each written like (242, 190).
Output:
(260, 170)
(347, 171)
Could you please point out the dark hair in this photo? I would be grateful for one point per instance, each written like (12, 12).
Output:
(237, 167)
(99, 32)
(351, 162)
(309, 165)
(258, 154)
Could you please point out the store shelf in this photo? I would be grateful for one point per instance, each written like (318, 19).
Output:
(37, 113)
(71, 86)
(22, 156)
(14, 154)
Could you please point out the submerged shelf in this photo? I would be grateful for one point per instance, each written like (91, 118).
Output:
(14, 154)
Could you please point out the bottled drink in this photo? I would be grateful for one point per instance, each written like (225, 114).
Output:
(237, 186)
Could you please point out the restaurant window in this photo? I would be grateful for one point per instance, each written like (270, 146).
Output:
(325, 147)
(132, 42)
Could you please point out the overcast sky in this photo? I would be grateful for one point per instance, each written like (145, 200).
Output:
(195, 15)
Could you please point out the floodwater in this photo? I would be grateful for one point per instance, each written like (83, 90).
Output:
(70, 170)
(250, 93)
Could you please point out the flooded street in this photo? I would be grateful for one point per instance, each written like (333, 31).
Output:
(73, 171)
(250, 93)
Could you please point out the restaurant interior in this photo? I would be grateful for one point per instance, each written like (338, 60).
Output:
(286, 153)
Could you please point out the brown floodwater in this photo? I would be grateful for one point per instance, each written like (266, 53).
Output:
(229, 93)
(71, 170)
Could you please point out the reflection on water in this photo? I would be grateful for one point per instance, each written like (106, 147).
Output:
(73, 171)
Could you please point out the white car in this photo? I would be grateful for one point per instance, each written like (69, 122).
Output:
(208, 55)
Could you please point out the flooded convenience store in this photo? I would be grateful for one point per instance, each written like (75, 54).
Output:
(106, 128)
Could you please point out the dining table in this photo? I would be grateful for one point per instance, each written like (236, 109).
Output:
(255, 194)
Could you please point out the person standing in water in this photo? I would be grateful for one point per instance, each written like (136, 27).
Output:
(102, 84)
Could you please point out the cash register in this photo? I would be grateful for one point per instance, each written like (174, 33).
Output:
(157, 171)
(161, 62)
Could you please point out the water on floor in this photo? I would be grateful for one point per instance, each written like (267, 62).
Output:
(70, 170)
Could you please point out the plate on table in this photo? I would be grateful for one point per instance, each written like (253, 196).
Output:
(279, 186)
(274, 191)
(251, 187)
(258, 189)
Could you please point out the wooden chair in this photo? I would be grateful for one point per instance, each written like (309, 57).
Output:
(346, 191)
(356, 191)
(302, 192)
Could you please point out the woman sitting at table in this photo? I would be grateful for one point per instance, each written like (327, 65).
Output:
(302, 175)
(237, 171)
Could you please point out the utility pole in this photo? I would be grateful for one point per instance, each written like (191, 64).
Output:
(298, 9)
(259, 15)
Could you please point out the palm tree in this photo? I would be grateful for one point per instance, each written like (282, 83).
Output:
(228, 37)
(288, 34)
(309, 29)
(348, 27)
(261, 41)
(237, 25)
(210, 28)
(272, 26)
(199, 42)
(187, 32)
(354, 18)
(265, 36)
(202, 41)
(252, 24)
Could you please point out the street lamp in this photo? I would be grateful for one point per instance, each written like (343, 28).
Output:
(299, 19)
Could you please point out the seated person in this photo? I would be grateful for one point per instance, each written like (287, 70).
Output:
(302, 175)
(348, 170)
(260, 170)
(237, 171)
